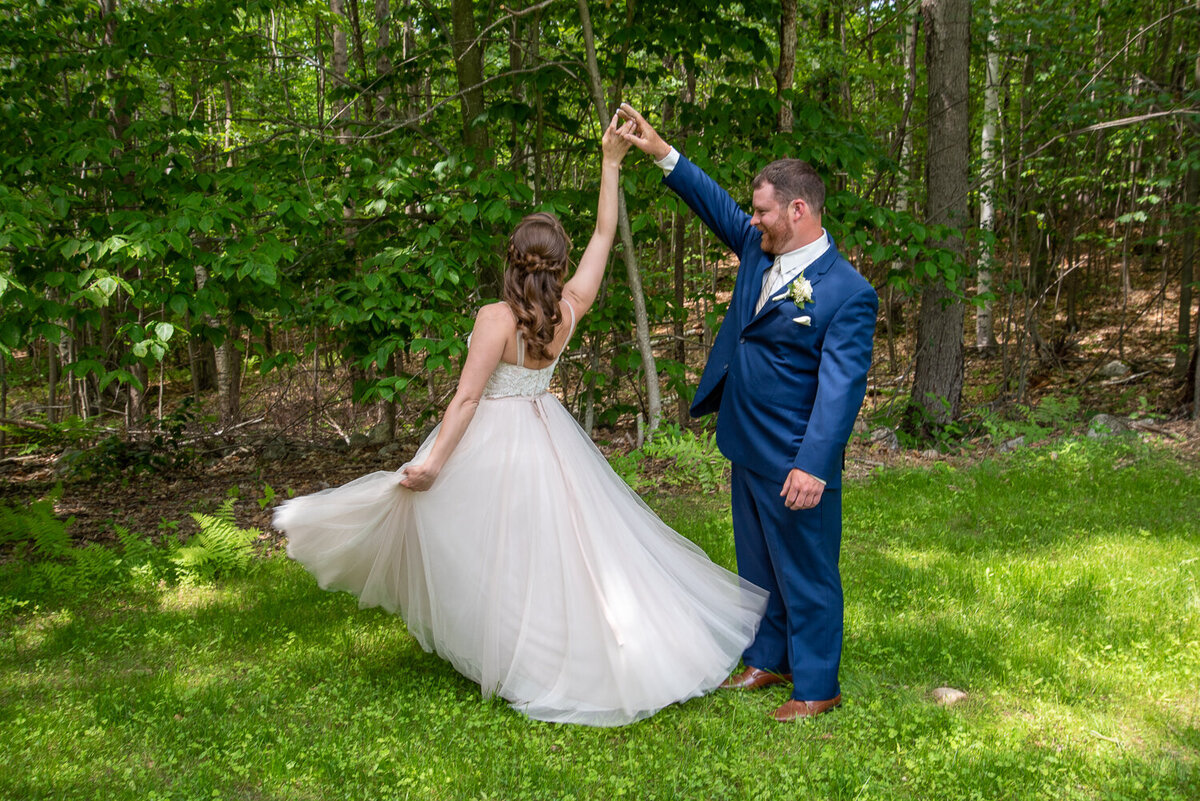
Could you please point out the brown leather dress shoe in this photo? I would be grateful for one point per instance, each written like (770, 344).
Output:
(754, 679)
(795, 710)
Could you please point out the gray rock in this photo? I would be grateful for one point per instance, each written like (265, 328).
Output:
(1011, 445)
(1114, 369)
(359, 441)
(66, 460)
(948, 696)
(931, 453)
(391, 449)
(1106, 425)
(885, 438)
(275, 451)
(379, 434)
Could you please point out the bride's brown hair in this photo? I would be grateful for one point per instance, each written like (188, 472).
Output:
(538, 256)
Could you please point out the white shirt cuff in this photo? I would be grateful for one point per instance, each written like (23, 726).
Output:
(668, 161)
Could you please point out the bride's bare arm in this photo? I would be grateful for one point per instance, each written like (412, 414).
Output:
(581, 290)
(493, 326)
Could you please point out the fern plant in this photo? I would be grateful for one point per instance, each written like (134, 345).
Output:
(37, 526)
(221, 549)
(696, 459)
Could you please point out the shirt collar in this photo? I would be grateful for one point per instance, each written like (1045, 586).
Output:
(795, 261)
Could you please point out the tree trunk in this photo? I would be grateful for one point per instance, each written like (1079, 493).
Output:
(228, 359)
(1188, 272)
(785, 73)
(52, 382)
(228, 137)
(893, 306)
(322, 83)
(468, 65)
(360, 56)
(937, 387)
(679, 242)
(3, 397)
(412, 95)
(383, 65)
(653, 394)
(985, 329)
(136, 408)
(229, 378)
(341, 61)
(518, 141)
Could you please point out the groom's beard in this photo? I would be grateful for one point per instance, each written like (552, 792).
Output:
(774, 237)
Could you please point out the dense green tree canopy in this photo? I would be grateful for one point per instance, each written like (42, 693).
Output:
(191, 189)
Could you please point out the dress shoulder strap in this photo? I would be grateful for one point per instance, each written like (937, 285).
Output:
(570, 333)
(572, 310)
(520, 349)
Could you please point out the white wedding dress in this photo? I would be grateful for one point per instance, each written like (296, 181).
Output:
(532, 567)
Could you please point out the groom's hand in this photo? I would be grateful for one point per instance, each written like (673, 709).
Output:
(643, 136)
(801, 490)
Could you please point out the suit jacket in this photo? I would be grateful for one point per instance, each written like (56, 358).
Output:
(788, 393)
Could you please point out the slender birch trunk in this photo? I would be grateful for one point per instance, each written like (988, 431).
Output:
(653, 393)
(985, 333)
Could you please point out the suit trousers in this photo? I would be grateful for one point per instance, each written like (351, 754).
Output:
(794, 556)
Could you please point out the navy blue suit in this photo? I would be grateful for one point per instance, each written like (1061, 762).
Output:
(788, 395)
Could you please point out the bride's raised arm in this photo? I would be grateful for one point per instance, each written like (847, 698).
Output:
(581, 289)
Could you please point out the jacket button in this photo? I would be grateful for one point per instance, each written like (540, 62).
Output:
(742, 340)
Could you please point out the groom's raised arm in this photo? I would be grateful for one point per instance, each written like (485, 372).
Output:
(712, 204)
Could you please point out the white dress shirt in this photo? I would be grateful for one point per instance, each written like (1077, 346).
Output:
(794, 262)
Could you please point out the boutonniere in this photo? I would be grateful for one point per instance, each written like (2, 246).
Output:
(801, 292)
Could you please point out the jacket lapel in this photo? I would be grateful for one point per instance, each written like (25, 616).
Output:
(754, 289)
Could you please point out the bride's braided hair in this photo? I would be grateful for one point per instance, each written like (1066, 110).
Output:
(538, 256)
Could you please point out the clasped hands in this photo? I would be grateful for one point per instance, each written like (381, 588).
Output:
(641, 134)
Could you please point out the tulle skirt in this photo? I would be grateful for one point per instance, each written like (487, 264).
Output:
(534, 570)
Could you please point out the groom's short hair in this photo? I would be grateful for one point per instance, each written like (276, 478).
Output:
(793, 178)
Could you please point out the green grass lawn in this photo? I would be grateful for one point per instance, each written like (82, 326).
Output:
(1060, 588)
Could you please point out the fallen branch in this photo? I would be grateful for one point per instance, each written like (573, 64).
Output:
(1144, 426)
(8, 421)
(1124, 379)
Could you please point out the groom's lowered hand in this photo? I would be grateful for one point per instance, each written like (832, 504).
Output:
(801, 490)
(643, 136)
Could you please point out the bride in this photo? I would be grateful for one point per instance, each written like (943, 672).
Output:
(508, 544)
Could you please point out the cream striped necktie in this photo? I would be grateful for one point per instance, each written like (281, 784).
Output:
(769, 282)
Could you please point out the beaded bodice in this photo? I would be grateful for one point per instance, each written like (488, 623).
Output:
(509, 380)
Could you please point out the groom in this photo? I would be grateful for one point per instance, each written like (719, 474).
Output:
(787, 372)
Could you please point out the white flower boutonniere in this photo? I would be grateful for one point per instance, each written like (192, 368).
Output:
(800, 291)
